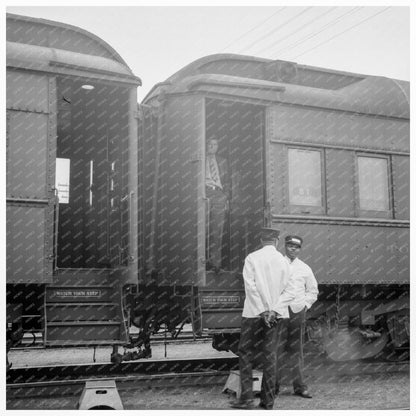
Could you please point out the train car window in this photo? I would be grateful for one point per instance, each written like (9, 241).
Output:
(63, 169)
(305, 180)
(373, 184)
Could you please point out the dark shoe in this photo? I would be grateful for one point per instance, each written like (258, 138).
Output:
(242, 404)
(305, 394)
(264, 407)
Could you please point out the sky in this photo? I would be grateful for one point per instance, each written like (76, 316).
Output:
(158, 41)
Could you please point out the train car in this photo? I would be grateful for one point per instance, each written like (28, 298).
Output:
(71, 185)
(317, 152)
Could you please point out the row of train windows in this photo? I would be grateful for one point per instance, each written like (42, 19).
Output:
(306, 186)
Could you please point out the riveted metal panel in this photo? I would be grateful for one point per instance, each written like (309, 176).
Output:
(277, 178)
(27, 246)
(339, 128)
(352, 254)
(401, 186)
(27, 92)
(340, 182)
(27, 164)
(377, 261)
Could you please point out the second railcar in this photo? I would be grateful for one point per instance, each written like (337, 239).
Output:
(312, 151)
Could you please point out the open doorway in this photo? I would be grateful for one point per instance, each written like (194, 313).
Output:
(91, 173)
(239, 130)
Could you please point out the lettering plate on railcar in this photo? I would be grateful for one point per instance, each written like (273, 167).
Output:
(76, 293)
(207, 300)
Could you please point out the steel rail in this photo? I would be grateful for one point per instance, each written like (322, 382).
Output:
(70, 379)
(143, 367)
(60, 388)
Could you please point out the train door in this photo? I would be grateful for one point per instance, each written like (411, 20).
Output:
(31, 131)
(91, 182)
(239, 130)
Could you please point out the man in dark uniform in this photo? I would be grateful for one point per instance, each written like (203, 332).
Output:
(266, 277)
(290, 344)
(217, 190)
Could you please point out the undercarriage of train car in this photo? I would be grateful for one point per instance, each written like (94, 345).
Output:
(352, 322)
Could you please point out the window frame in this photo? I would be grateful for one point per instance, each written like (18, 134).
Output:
(307, 209)
(366, 213)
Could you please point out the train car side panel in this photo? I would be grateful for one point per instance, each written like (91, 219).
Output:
(352, 254)
(27, 248)
(401, 186)
(337, 128)
(339, 193)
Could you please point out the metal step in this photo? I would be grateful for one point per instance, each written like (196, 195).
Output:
(65, 312)
(83, 308)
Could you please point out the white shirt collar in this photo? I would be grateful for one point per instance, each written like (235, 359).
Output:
(290, 261)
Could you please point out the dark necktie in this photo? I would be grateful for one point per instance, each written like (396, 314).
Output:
(214, 170)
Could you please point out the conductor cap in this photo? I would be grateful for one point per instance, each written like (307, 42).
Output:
(269, 234)
(293, 239)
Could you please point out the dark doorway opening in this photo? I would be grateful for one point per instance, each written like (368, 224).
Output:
(92, 152)
(239, 130)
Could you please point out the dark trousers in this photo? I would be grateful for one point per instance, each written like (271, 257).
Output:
(258, 344)
(290, 350)
(217, 208)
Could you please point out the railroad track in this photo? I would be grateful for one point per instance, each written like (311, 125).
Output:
(35, 340)
(64, 380)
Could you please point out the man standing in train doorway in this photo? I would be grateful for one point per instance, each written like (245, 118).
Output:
(217, 190)
(268, 293)
(290, 344)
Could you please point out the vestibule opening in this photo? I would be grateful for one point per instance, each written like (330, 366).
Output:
(91, 174)
(239, 130)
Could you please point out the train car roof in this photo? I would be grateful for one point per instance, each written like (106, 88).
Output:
(266, 80)
(42, 44)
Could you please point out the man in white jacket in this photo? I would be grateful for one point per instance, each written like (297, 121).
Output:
(290, 344)
(266, 277)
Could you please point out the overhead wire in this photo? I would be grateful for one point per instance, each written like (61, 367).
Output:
(322, 29)
(341, 33)
(276, 29)
(254, 28)
(299, 28)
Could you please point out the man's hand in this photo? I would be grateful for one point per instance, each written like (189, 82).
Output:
(266, 318)
(273, 316)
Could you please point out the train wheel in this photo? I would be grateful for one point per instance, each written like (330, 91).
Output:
(346, 345)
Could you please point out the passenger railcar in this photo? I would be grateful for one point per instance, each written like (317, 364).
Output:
(316, 152)
(71, 185)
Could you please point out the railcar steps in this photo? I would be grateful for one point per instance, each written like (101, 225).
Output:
(84, 307)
